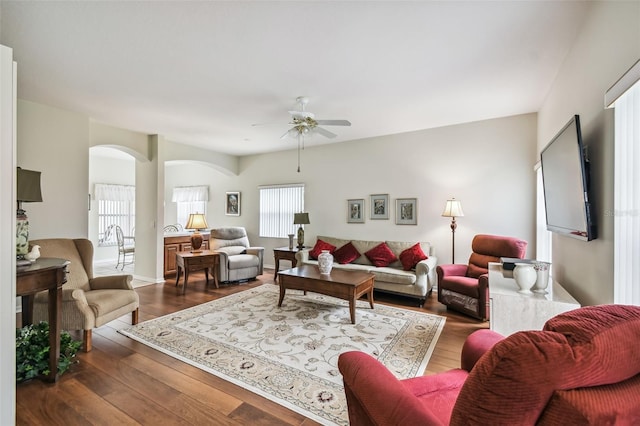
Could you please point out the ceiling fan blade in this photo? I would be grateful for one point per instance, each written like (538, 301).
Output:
(324, 132)
(334, 122)
(287, 133)
(301, 114)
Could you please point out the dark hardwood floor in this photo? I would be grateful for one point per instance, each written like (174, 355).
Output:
(125, 382)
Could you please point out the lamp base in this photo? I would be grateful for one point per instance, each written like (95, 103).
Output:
(300, 238)
(22, 234)
(196, 242)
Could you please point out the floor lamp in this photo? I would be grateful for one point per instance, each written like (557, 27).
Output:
(453, 209)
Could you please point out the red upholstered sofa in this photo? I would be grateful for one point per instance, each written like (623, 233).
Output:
(583, 368)
(465, 288)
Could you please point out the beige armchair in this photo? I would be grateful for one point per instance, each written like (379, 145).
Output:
(238, 260)
(87, 302)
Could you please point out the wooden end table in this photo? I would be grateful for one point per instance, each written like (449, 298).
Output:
(345, 285)
(46, 273)
(194, 261)
(285, 253)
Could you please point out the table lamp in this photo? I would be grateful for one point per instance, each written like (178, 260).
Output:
(196, 221)
(301, 219)
(453, 209)
(27, 191)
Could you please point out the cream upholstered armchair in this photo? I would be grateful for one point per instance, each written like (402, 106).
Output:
(87, 302)
(238, 260)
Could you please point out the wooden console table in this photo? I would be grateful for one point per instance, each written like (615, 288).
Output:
(49, 274)
(187, 261)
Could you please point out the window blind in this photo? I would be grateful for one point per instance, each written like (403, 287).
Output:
(278, 204)
(626, 214)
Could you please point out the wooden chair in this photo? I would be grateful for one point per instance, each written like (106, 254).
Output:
(124, 249)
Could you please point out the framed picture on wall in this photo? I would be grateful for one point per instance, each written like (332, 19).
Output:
(406, 211)
(355, 211)
(232, 204)
(379, 206)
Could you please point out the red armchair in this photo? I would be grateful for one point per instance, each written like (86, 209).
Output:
(583, 368)
(465, 288)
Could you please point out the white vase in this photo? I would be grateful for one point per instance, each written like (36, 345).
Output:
(542, 277)
(290, 241)
(525, 277)
(325, 262)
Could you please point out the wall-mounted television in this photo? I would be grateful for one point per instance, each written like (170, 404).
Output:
(565, 177)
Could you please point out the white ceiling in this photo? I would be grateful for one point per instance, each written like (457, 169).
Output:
(202, 72)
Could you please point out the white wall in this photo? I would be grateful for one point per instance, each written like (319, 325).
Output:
(56, 143)
(607, 45)
(488, 165)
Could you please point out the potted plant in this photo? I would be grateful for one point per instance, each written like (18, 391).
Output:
(32, 351)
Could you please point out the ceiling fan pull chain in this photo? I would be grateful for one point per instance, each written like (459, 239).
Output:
(298, 153)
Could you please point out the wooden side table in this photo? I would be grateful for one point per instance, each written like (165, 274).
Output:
(285, 253)
(189, 261)
(46, 273)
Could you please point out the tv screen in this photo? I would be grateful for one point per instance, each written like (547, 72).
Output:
(565, 177)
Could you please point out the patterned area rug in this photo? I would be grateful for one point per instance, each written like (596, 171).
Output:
(290, 354)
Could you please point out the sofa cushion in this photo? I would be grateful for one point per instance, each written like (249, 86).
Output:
(346, 254)
(320, 246)
(381, 255)
(411, 256)
(393, 275)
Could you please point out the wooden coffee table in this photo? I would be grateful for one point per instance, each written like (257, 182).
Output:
(345, 285)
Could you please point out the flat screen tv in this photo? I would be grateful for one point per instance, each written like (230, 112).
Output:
(565, 177)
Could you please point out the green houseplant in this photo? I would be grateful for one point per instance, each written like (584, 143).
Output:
(32, 351)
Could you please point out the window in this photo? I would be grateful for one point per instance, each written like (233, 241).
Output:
(190, 199)
(625, 97)
(116, 207)
(278, 203)
(543, 236)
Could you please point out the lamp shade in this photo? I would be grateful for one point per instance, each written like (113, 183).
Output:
(196, 221)
(301, 219)
(28, 186)
(453, 208)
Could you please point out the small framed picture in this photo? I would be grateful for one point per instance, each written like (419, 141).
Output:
(406, 211)
(379, 206)
(232, 204)
(355, 211)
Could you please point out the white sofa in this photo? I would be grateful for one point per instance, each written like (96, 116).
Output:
(416, 283)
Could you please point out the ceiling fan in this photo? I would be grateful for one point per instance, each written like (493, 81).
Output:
(305, 124)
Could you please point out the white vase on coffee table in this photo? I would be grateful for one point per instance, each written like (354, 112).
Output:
(325, 262)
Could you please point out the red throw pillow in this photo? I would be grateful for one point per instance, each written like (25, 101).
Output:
(381, 255)
(321, 245)
(411, 256)
(346, 254)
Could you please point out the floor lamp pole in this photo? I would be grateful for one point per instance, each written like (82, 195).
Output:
(454, 225)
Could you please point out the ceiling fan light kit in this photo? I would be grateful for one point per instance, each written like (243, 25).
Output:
(304, 123)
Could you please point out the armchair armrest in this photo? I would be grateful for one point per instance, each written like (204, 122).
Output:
(458, 269)
(111, 282)
(302, 256)
(258, 251)
(477, 344)
(376, 397)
